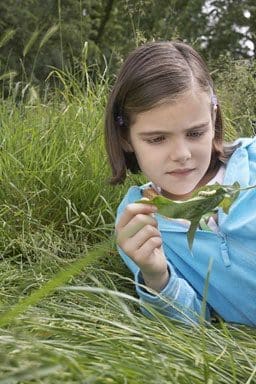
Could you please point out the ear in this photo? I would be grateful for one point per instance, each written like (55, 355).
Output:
(126, 146)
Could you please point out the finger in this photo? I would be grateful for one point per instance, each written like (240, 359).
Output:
(144, 254)
(132, 210)
(135, 226)
(132, 245)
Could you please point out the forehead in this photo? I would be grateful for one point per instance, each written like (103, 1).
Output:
(189, 109)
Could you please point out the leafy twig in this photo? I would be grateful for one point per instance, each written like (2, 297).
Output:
(203, 203)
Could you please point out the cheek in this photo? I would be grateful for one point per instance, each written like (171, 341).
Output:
(140, 150)
(146, 160)
(143, 159)
(206, 150)
(207, 157)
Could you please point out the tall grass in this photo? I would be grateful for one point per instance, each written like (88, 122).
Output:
(69, 313)
(54, 171)
(236, 84)
(90, 333)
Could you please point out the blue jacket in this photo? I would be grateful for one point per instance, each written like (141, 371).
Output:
(230, 254)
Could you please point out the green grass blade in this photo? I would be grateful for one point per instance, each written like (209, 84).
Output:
(61, 278)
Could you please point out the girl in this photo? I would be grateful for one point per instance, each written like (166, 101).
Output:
(163, 119)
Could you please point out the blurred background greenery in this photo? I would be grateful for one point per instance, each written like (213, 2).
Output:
(36, 35)
(71, 44)
(58, 60)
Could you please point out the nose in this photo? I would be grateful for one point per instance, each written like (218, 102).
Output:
(179, 151)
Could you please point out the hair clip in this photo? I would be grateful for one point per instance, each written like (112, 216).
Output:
(120, 120)
(214, 100)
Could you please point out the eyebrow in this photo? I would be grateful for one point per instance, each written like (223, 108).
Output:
(152, 133)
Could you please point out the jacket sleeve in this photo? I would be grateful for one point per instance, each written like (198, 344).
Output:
(178, 300)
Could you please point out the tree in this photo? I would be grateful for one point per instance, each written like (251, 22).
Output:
(42, 34)
(230, 28)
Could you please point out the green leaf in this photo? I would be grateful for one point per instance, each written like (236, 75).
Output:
(204, 200)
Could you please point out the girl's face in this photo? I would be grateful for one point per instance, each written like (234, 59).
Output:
(173, 144)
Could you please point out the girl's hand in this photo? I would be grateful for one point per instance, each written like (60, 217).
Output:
(139, 238)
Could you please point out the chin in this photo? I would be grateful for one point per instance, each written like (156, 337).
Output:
(179, 194)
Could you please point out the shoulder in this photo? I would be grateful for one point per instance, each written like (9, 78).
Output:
(245, 144)
(241, 165)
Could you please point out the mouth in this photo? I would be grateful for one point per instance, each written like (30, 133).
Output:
(181, 172)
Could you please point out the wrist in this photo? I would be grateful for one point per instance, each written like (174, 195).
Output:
(157, 281)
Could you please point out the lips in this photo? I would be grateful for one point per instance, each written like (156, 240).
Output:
(181, 171)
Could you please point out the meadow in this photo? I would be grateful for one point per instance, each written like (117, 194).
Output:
(69, 313)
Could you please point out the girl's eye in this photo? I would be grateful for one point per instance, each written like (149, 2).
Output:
(195, 134)
(156, 140)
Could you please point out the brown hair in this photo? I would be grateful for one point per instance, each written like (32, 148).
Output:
(153, 74)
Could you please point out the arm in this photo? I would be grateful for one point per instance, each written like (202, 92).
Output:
(177, 300)
(139, 243)
(137, 235)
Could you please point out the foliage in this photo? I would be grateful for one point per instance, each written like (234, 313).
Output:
(203, 203)
(39, 36)
(236, 85)
(89, 332)
(231, 28)
(46, 165)
(67, 303)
